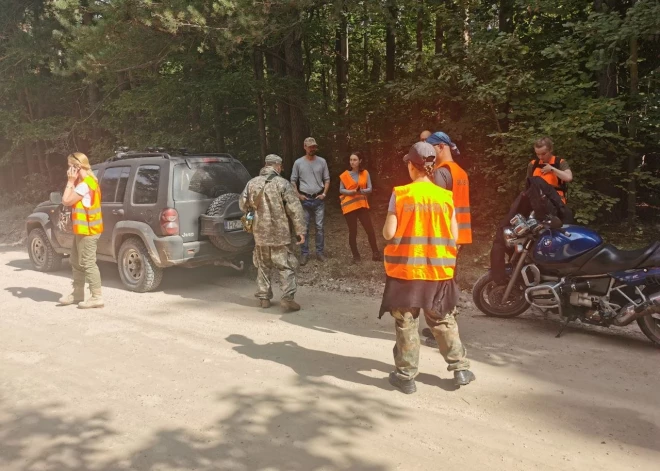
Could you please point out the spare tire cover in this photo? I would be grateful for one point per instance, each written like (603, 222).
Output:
(227, 207)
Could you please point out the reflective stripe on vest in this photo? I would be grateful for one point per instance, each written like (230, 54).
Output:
(461, 197)
(422, 247)
(352, 202)
(552, 179)
(88, 221)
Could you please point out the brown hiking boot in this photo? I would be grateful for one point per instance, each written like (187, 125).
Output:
(289, 305)
(92, 303)
(70, 299)
(264, 303)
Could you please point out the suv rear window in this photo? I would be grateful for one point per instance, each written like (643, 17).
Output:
(208, 180)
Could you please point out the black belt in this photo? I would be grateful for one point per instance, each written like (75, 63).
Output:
(311, 195)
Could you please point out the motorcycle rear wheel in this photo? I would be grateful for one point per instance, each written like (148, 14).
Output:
(650, 326)
(486, 293)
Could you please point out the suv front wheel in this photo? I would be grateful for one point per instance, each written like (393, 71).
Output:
(136, 268)
(43, 256)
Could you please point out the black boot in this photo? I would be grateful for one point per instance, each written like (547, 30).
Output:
(403, 385)
(463, 377)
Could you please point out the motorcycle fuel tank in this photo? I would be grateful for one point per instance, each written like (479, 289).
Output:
(558, 247)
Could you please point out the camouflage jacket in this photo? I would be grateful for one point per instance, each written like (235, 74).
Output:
(278, 209)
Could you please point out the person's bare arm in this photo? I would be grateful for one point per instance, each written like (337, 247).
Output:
(70, 197)
(389, 229)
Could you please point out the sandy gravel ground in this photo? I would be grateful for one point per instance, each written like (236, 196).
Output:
(194, 377)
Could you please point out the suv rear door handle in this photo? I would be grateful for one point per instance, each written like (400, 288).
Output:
(118, 212)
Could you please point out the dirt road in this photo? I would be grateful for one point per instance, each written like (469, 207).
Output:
(195, 377)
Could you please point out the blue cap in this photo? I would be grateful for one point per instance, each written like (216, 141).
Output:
(442, 138)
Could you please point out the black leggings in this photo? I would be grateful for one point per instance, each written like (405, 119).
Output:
(352, 220)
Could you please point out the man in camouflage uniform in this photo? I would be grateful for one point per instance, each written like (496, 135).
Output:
(275, 203)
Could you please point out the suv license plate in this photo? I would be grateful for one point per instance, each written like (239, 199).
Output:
(233, 225)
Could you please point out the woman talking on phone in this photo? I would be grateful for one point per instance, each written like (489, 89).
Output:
(83, 194)
(420, 258)
(354, 187)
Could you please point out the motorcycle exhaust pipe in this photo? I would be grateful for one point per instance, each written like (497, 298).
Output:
(631, 312)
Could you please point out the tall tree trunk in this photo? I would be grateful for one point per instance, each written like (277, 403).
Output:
(506, 16)
(607, 77)
(506, 26)
(283, 112)
(374, 75)
(365, 40)
(273, 123)
(219, 126)
(258, 65)
(341, 68)
(390, 40)
(293, 54)
(632, 126)
(419, 30)
(439, 33)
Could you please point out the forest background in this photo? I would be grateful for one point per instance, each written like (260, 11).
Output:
(257, 77)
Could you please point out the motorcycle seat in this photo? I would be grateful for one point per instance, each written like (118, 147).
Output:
(609, 259)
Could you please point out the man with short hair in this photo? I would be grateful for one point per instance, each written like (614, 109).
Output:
(546, 187)
(274, 202)
(450, 176)
(425, 135)
(550, 168)
(311, 179)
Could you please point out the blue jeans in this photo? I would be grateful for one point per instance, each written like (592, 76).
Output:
(314, 208)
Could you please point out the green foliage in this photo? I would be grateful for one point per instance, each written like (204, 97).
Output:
(89, 75)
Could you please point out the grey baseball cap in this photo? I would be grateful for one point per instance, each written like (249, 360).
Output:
(420, 153)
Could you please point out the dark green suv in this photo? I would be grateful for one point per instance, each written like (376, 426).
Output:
(159, 210)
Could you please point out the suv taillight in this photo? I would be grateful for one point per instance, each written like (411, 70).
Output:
(169, 221)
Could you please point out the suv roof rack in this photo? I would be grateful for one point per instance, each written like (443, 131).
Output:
(135, 155)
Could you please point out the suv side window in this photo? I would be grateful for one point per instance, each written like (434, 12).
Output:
(147, 181)
(113, 184)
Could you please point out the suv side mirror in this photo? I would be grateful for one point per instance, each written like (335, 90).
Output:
(56, 197)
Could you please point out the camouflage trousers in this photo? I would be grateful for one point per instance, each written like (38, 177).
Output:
(283, 259)
(445, 331)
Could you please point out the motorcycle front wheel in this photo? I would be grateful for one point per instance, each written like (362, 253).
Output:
(487, 296)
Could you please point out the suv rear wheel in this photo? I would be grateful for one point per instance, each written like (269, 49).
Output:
(43, 256)
(137, 270)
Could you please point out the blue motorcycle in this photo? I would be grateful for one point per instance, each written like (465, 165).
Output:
(570, 270)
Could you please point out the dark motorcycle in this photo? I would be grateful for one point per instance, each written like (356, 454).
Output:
(570, 270)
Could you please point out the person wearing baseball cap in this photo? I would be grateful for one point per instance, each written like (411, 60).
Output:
(276, 211)
(311, 179)
(450, 176)
(419, 263)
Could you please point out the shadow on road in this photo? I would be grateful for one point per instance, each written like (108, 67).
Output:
(39, 295)
(310, 427)
(308, 363)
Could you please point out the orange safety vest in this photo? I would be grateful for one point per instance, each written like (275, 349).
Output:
(88, 221)
(352, 202)
(423, 247)
(461, 191)
(552, 179)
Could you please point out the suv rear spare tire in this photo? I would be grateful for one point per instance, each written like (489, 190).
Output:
(229, 240)
(43, 256)
(136, 269)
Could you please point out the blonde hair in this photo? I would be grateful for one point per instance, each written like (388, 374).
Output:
(78, 158)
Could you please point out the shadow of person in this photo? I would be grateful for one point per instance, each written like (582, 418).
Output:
(39, 295)
(316, 363)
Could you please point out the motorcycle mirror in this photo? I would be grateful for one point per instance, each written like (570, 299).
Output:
(555, 223)
(56, 197)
